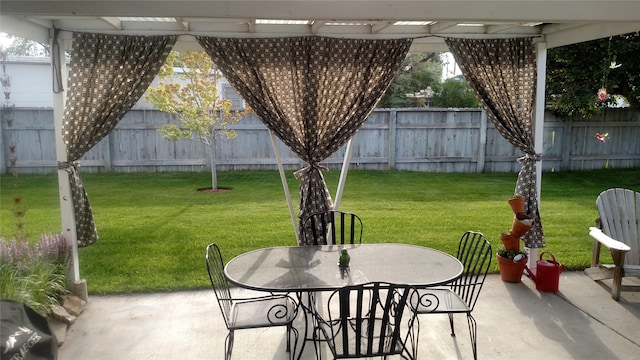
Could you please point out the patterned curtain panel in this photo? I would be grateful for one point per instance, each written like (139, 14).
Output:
(108, 74)
(314, 93)
(502, 72)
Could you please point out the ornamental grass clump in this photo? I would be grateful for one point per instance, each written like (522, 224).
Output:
(34, 273)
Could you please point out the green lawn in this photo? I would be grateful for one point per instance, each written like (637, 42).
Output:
(154, 227)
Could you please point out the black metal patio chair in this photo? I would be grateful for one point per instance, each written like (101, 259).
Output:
(374, 319)
(460, 297)
(333, 227)
(250, 312)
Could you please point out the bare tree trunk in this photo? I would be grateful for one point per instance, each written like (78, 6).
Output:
(212, 150)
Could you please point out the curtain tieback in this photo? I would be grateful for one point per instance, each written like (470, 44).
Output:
(305, 170)
(530, 157)
(69, 166)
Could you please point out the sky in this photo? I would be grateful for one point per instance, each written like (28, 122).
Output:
(449, 66)
(4, 40)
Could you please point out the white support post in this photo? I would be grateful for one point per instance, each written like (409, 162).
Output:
(343, 174)
(541, 69)
(78, 286)
(539, 110)
(285, 186)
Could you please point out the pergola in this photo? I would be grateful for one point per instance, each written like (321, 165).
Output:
(556, 22)
(428, 23)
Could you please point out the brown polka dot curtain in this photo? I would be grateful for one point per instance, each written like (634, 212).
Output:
(502, 72)
(107, 76)
(314, 93)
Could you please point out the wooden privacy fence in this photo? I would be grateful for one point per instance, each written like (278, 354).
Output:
(415, 139)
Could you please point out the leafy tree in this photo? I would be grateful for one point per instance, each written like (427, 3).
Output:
(188, 89)
(454, 93)
(418, 70)
(576, 73)
(23, 47)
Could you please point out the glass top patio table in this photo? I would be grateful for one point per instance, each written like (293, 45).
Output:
(315, 268)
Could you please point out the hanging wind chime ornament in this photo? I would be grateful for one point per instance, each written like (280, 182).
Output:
(602, 94)
(602, 137)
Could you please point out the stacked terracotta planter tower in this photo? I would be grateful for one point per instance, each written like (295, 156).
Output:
(511, 269)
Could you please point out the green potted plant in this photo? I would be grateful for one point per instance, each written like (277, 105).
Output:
(511, 264)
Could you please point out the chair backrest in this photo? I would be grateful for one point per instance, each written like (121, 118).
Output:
(373, 319)
(474, 252)
(619, 211)
(333, 227)
(215, 268)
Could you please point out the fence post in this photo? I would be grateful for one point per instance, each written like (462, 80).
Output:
(107, 153)
(482, 143)
(392, 139)
(567, 130)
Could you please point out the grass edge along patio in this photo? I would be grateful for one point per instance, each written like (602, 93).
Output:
(154, 227)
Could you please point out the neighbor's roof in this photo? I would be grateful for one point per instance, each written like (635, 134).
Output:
(557, 22)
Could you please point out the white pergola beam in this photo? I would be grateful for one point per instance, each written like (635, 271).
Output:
(495, 29)
(114, 22)
(441, 26)
(316, 26)
(591, 32)
(396, 10)
(184, 24)
(377, 28)
(560, 21)
(25, 29)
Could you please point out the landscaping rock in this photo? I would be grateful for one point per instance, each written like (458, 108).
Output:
(73, 304)
(60, 313)
(59, 329)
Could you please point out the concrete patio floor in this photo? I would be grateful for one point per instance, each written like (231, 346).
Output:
(515, 321)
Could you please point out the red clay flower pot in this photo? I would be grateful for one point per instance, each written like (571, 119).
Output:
(510, 242)
(517, 204)
(511, 271)
(521, 225)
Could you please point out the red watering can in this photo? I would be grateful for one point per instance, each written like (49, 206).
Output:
(548, 273)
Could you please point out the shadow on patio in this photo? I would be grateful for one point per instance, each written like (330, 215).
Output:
(581, 321)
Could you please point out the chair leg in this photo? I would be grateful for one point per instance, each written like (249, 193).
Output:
(453, 333)
(317, 340)
(292, 351)
(289, 338)
(228, 345)
(618, 261)
(473, 332)
(412, 340)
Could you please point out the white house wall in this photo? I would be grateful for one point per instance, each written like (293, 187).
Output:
(31, 82)
(31, 85)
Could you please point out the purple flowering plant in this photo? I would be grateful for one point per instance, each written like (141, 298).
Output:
(20, 252)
